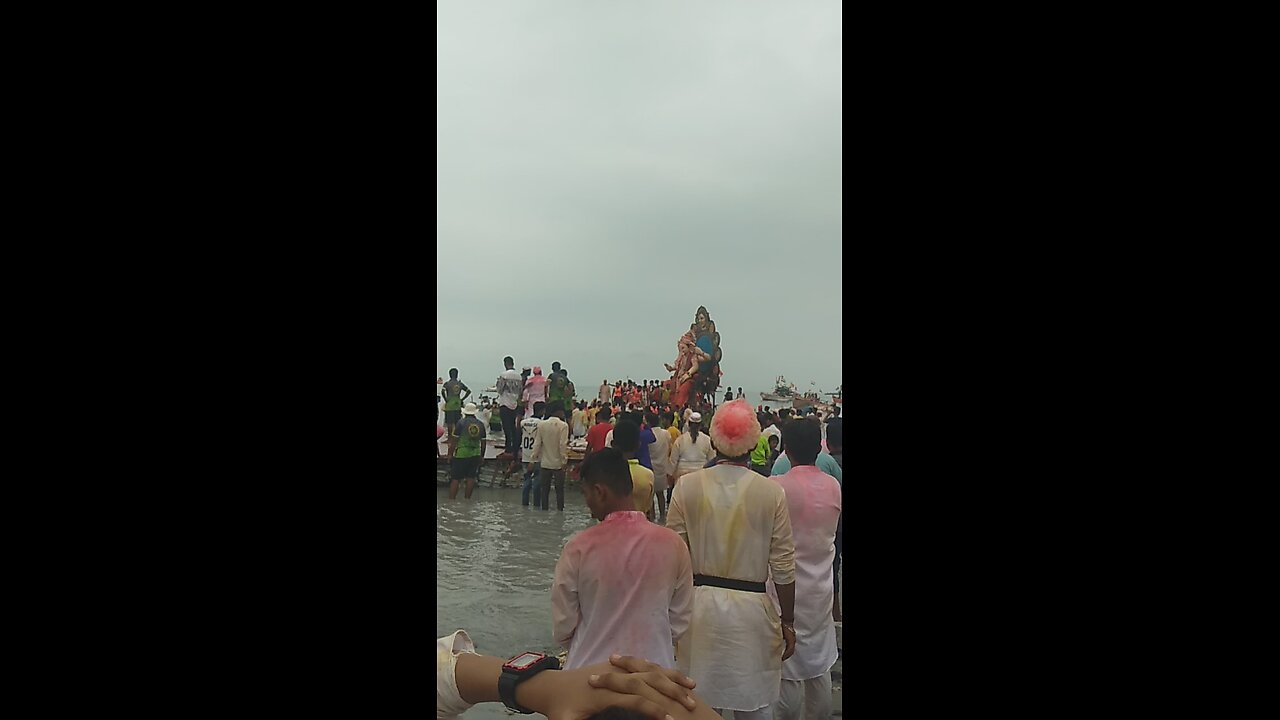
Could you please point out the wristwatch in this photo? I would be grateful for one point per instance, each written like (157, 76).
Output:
(519, 669)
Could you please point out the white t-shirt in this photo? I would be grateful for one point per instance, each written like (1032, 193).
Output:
(509, 386)
(527, 429)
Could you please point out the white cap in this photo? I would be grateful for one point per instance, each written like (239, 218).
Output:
(470, 409)
(695, 417)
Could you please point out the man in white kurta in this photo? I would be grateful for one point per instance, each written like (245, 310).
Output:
(738, 528)
(813, 500)
(624, 586)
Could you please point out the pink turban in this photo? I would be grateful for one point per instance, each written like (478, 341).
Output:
(735, 429)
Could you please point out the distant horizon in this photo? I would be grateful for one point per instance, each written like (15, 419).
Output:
(588, 393)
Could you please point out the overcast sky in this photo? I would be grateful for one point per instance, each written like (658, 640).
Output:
(604, 168)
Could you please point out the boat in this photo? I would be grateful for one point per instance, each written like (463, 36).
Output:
(784, 392)
(807, 400)
(813, 398)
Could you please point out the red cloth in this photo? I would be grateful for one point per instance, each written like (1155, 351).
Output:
(596, 436)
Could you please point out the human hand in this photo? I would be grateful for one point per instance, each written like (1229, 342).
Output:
(651, 690)
(789, 641)
(668, 681)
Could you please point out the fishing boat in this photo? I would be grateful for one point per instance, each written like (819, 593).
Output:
(813, 399)
(808, 400)
(784, 392)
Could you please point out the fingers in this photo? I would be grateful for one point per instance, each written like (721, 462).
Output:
(646, 684)
(645, 707)
(635, 664)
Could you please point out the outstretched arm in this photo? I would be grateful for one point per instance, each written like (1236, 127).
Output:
(624, 682)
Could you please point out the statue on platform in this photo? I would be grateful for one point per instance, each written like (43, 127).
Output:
(697, 367)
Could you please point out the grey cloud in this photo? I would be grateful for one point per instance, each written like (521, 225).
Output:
(603, 168)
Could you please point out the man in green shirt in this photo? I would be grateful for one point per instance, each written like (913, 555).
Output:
(469, 441)
(569, 392)
(765, 447)
(557, 383)
(455, 393)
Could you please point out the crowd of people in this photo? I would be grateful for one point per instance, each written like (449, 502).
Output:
(717, 547)
(526, 398)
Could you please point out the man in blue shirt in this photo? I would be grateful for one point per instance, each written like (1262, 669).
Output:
(826, 463)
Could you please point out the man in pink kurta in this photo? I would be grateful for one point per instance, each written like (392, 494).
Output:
(535, 390)
(814, 501)
(624, 586)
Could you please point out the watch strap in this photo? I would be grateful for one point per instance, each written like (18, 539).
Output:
(510, 679)
(507, 691)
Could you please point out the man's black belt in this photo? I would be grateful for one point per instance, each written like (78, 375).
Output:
(730, 583)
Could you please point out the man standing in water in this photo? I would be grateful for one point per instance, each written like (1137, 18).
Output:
(470, 439)
(453, 391)
(813, 500)
(530, 479)
(624, 586)
(738, 529)
(551, 448)
(509, 386)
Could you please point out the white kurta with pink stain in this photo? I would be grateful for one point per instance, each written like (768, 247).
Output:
(813, 498)
(624, 586)
(449, 702)
(738, 526)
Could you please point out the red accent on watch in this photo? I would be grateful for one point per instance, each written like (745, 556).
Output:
(524, 661)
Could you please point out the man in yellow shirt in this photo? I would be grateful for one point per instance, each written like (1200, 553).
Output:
(667, 421)
(626, 440)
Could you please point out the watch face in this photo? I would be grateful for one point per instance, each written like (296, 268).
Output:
(522, 662)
